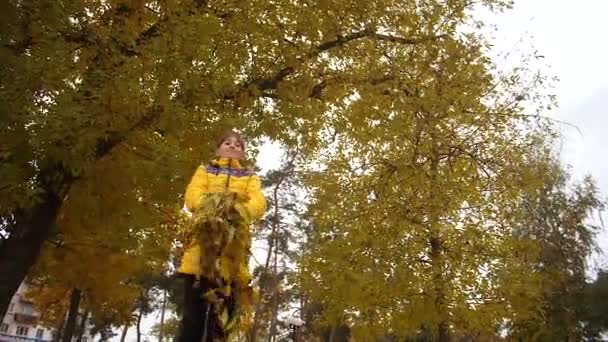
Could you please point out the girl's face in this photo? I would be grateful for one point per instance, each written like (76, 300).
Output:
(230, 148)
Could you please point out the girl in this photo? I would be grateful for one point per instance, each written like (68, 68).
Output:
(216, 273)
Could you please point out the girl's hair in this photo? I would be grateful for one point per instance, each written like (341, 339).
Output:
(231, 134)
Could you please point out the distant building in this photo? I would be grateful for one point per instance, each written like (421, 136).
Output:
(21, 322)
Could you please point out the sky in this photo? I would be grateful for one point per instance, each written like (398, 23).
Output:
(571, 36)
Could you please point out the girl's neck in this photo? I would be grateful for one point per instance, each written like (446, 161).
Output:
(226, 162)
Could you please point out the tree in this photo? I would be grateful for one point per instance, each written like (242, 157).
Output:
(595, 314)
(107, 270)
(107, 105)
(556, 217)
(279, 233)
(170, 329)
(104, 329)
(106, 308)
(151, 284)
(161, 333)
(415, 199)
(74, 307)
(83, 325)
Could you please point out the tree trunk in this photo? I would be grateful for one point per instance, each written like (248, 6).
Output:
(332, 333)
(162, 317)
(59, 329)
(336, 333)
(124, 333)
(275, 299)
(83, 325)
(444, 332)
(33, 225)
(20, 250)
(138, 326)
(437, 260)
(72, 316)
(253, 332)
(272, 243)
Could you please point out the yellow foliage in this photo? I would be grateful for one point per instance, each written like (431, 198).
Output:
(416, 199)
(224, 240)
(108, 105)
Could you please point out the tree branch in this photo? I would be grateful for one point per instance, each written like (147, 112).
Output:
(273, 81)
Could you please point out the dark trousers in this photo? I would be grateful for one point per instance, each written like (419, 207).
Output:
(198, 316)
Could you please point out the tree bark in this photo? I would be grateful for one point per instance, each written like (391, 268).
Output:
(124, 332)
(161, 331)
(138, 326)
(59, 329)
(336, 333)
(72, 316)
(332, 333)
(83, 325)
(435, 241)
(275, 299)
(21, 249)
(253, 332)
(272, 245)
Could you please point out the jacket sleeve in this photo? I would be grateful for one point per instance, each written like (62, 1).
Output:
(256, 206)
(196, 188)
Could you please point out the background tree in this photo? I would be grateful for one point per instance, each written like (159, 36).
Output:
(170, 329)
(415, 198)
(595, 314)
(556, 217)
(279, 237)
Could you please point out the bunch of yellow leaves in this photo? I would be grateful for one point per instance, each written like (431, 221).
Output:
(221, 228)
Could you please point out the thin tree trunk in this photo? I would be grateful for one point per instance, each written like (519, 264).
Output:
(253, 332)
(138, 326)
(436, 246)
(332, 333)
(275, 287)
(162, 317)
(72, 315)
(124, 332)
(59, 329)
(275, 299)
(83, 325)
(272, 242)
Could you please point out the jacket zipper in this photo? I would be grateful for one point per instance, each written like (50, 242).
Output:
(229, 174)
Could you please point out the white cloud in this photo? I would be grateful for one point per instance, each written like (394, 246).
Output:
(571, 35)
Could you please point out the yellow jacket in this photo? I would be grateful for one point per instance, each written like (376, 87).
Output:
(218, 177)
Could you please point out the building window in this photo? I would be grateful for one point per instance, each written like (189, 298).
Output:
(4, 328)
(28, 309)
(22, 331)
(84, 339)
(39, 333)
(11, 307)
